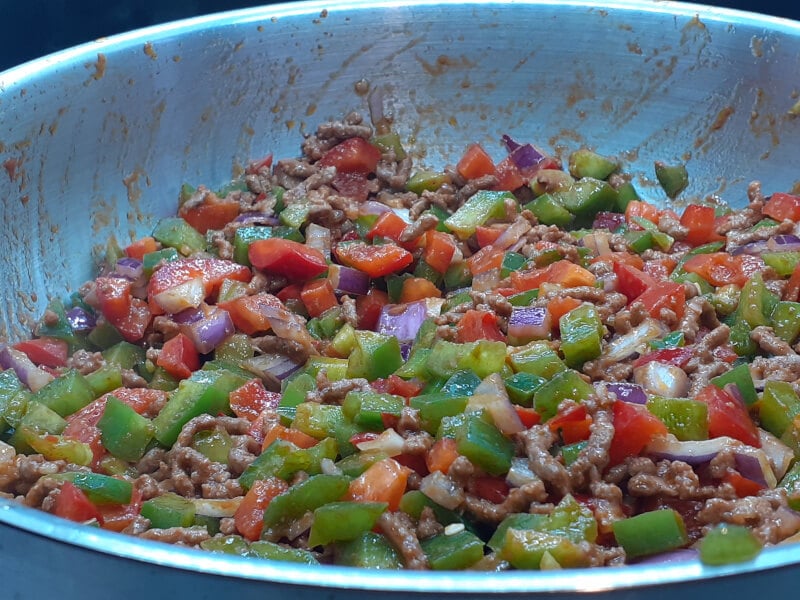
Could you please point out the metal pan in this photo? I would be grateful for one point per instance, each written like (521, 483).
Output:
(96, 140)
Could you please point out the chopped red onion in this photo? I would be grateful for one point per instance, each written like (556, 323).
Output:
(129, 268)
(753, 464)
(524, 156)
(491, 396)
(691, 452)
(777, 243)
(780, 456)
(290, 326)
(636, 340)
(405, 350)
(662, 379)
(402, 320)
(372, 207)
(80, 319)
(319, 238)
(255, 218)
(528, 323)
(389, 442)
(274, 364)
(210, 331)
(628, 392)
(28, 373)
(442, 489)
(608, 220)
(188, 316)
(185, 295)
(512, 233)
(346, 280)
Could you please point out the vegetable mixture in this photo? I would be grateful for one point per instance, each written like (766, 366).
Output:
(517, 362)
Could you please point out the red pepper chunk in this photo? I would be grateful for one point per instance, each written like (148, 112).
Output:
(291, 259)
(249, 516)
(781, 207)
(728, 417)
(700, 222)
(179, 357)
(375, 261)
(73, 504)
(634, 428)
(47, 351)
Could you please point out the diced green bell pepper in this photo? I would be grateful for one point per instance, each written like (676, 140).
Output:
(477, 210)
(370, 550)
(214, 444)
(125, 355)
(741, 377)
(226, 544)
(727, 544)
(685, 418)
(169, 510)
(549, 210)
(366, 408)
(374, 355)
(100, 489)
(783, 262)
(66, 394)
(564, 385)
(308, 495)
(528, 548)
(426, 181)
(152, 259)
(587, 163)
(791, 483)
(786, 321)
(581, 335)
(434, 407)
(245, 236)
(175, 232)
(532, 521)
(779, 404)
(125, 433)
(537, 358)
(484, 445)
(651, 532)
(522, 386)
(672, 178)
(105, 379)
(52, 447)
(453, 552)
(273, 551)
(343, 521)
(586, 197)
(482, 357)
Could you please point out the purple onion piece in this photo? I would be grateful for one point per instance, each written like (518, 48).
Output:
(129, 268)
(628, 392)
(692, 453)
(255, 218)
(209, 332)
(402, 320)
(275, 365)
(526, 157)
(778, 243)
(28, 373)
(510, 143)
(188, 316)
(346, 280)
(405, 350)
(373, 207)
(752, 464)
(528, 323)
(80, 319)
(608, 220)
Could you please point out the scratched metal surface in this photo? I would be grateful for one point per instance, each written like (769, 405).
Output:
(96, 141)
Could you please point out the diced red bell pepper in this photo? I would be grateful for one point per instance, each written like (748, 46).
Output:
(700, 221)
(249, 516)
(509, 177)
(782, 206)
(138, 248)
(291, 259)
(634, 428)
(721, 268)
(47, 351)
(491, 488)
(664, 294)
(248, 312)
(375, 261)
(318, 296)
(477, 325)
(727, 416)
(632, 282)
(353, 155)
(418, 288)
(573, 425)
(251, 399)
(389, 225)
(673, 356)
(643, 210)
(440, 247)
(475, 162)
(383, 481)
(486, 236)
(131, 316)
(369, 306)
(212, 212)
(73, 504)
(179, 357)
(116, 517)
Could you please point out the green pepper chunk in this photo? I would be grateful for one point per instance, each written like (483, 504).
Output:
(587, 163)
(100, 489)
(549, 210)
(581, 335)
(52, 447)
(564, 385)
(651, 532)
(366, 409)
(740, 377)
(477, 210)
(537, 358)
(482, 357)
(215, 445)
(153, 259)
(530, 521)
(105, 379)
(308, 495)
(433, 407)
(125, 355)
(457, 551)
(685, 418)
(727, 544)
(522, 386)
(369, 550)
(125, 433)
(779, 405)
(791, 483)
(66, 394)
(673, 178)
(529, 548)
(784, 263)
(169, 510)
(484, 445)
(786, 320)
(586, 197)
(274, 551)
(343, 521)
(226, 544)
(374, 355)
(426, 181)
(245, 236)
(175, 232)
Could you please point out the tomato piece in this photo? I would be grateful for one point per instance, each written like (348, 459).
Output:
(528, 416)
(727, 416)
(389, 225)
(249, 516)
(700, 221)
(369, 306)
(634, 428)
(289, 434)
(353, 155)
(632, 282)
(251, 399)
(673, 356)
(248, 313)
(475, 162)
(491, 488)
(73, 504)
(383, 481)
(352, 185)
(509, 177)
(262, 163)
(486, 259)
(558, 306)
(375, 261)
(782, 206)
(318, 296)
(562, 272)
(477, 325)
(47, 351)
(573, 425)
(441, 455)
(288, 258)
(660, 268)
(440, 247)
(742, 485)
(117, 517)
(140, 247)
(179, 357)
(486, 236)
(418, 288)
(643, 210)
(130, 316)
(664, 294)
(633, 260)
(139, 399)
(415, 462)
(212, 212)
(403, 387)
(721, 268)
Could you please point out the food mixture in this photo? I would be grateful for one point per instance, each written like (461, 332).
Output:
(517, 362)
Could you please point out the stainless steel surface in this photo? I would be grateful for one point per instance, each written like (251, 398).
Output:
(97, 140)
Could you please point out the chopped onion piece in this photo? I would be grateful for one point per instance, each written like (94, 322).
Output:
(520, 472)
(7, 452)
(491, 396)
(433, 307)
(777, 243)
(389, 442)
(210, 331)
(289, 326)
(628, 392)
(486, 281)
(28, 373)
(80, 319)
(662, 379)
(512, 233)
(441, 489)
(780, 456)
(216, 507)
(673, 556)
(373, 207)
(635, 341)
(129, 268)
(272, 365)
(402, 320)
(186, 295)
(346, 280)
(692, 452)
(597, 242)
(255, 218)
(319, 238)
(528, 323)
(753, 464)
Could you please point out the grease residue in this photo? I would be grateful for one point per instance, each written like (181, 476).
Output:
(150, 51)
(99, 67)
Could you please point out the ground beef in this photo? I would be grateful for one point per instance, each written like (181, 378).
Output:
(182, 536)
(400, 531)
(538, 441)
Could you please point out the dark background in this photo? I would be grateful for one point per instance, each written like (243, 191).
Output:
(33, 28)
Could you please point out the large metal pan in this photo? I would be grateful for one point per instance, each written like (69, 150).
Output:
(97, 140)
